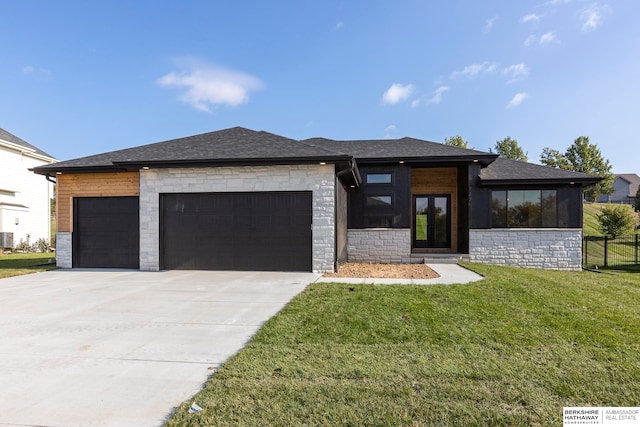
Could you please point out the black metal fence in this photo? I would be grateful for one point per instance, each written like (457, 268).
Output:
(610, 252)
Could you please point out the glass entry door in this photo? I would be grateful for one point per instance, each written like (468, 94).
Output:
(431, 221)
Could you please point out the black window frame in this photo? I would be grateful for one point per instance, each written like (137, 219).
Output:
(370, 205)
(506, 222)
(389, 174)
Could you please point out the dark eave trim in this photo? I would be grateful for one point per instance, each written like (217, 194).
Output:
(540, 181)
(76, 169)
(485, 159)
(137, 165)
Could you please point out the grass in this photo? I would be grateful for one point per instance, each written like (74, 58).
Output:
(18, 264)
(511, 350)
(591, 227)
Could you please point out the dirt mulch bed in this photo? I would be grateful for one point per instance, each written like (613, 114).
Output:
(385, 271)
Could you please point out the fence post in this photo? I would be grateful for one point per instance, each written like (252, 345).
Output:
(606, 251)
(637, 248)
(585, 249)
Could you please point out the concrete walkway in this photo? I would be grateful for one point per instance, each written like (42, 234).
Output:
(124, 348)
(449, 274)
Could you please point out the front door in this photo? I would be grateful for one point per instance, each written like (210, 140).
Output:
(431, 221)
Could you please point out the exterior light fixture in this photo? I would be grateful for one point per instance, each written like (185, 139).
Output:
(17, 221)
(146, 168)
(323, 163)
(475, 160)
(401, 162)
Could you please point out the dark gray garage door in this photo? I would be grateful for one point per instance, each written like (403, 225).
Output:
(265, 231)
(106, 232)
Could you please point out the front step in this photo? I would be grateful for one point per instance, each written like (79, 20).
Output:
(441, 258)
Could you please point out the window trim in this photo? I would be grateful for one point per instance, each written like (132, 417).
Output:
(507, 207)
(378, 206)
(368, 174)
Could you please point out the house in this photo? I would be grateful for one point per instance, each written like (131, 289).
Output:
(238, 199)
(24, 198)
(625, 188)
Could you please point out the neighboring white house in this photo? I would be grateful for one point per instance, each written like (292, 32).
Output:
(24, 196)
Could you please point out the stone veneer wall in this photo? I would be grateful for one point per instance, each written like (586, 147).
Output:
(320, 179)
(385, 245)
(557, 249)
(64, 249)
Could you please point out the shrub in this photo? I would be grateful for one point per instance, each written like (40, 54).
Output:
(41, 245)
(616, 220)
(24, 246)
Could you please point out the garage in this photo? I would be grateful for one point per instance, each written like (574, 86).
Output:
(263, 231)
(106, 232)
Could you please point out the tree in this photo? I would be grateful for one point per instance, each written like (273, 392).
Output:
(553, 158)
(582, 156)
(509, 149)
(616, 220)
(457, 141)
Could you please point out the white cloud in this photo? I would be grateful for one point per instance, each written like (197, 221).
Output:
(435, 98)
(556, 2)
(530, 40)
(339, 25)
(592, 17)
(532, 17)
(474, 69)
(37, 73)
(206, 86)
(546, 38)
(517, 99)
(389, 130)
(516, 72)
(397, 92)
(489, 23)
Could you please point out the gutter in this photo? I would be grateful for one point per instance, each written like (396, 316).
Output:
(353, 170)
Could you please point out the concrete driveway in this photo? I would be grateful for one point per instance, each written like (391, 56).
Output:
(124, 348)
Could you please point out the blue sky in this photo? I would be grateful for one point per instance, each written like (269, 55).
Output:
(80, 78)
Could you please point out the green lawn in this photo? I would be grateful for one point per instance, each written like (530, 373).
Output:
(590, 219)
(511, 350)
(18, 264)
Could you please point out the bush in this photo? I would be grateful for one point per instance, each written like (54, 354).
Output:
(41, 245)
(24, 246)
(616, 220)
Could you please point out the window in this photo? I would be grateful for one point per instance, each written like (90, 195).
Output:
(524, 208)
(378, 201)
(378, 178)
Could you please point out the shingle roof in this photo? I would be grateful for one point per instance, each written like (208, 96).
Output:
(228, 145)
(400, 149)
(633, 180)
(245, 146)
(512, 171)
(9, 137)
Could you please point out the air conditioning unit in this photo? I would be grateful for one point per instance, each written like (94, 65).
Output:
(6, 240)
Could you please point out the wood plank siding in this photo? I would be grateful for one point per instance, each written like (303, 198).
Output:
(439, 181)
(108, 184)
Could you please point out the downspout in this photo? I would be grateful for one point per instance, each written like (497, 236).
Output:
(353, 171)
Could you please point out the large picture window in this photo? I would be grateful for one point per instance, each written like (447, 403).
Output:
(524, 208)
